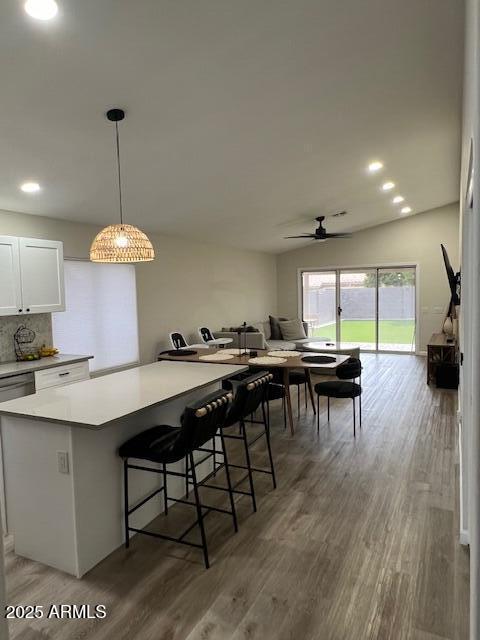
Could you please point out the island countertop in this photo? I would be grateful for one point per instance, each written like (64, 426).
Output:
(97, 402)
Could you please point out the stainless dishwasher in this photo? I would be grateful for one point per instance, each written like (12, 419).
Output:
(11, 387)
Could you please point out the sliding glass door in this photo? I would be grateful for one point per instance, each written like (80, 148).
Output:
(320, 303)
(357, 311)
(396, 309)
(373, 308)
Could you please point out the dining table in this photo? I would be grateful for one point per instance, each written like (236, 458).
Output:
(285, 361)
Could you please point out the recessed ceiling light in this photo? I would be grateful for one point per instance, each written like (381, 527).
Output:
(398, 199)
(386, 186)
(30, 187)
(406, 210)
(375, 166)
(41, 9)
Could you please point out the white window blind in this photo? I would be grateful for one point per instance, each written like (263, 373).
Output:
(101, 315)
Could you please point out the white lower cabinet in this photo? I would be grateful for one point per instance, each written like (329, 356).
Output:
(59, 376)
(18, 386)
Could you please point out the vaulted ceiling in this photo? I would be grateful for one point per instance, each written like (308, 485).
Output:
(245, 118)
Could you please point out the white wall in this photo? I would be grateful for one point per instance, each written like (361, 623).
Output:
(470, 317)
(189, 283)
(192, 284)
(412, 240)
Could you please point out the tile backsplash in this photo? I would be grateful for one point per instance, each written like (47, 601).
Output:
(41, 323)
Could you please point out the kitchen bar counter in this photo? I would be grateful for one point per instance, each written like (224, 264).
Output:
(17, 368)
(64, 487)
(98, 402)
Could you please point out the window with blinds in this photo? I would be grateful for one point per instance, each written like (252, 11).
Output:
(101, 315)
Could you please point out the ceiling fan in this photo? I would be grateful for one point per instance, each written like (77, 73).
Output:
(320, 232)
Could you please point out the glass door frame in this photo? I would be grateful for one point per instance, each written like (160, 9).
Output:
(377, 267)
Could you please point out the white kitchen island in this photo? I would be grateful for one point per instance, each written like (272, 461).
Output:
(63, 475)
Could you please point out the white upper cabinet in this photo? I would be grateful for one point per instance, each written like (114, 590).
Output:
(34, 280)
(41, 270)
(10, 287)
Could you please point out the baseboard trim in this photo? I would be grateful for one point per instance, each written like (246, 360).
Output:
(421, 353)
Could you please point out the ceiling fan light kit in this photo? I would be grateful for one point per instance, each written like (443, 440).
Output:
(120, 243)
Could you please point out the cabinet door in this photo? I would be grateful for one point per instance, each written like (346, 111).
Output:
(10, 287)
(41, 269)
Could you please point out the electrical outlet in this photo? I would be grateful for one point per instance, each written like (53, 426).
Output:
(62, 458)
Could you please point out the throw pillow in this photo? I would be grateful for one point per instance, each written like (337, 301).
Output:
(275, 330)
(292, 329)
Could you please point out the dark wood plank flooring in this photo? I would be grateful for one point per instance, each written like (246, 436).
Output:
(359, 540)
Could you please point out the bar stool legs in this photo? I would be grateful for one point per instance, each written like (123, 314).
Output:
(354, 430)
(165, 493)
(199, 512)
(360, 400)
(126, 506)
(229, 482)
(249, 464)
(269, 448)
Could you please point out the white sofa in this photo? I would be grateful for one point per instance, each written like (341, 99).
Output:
(261, 339)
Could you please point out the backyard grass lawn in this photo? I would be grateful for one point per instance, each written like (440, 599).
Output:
(389, 331)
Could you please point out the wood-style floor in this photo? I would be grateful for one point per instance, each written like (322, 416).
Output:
(359, 540)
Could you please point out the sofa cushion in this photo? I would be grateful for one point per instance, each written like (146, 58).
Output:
(275, 330)
(292, 329)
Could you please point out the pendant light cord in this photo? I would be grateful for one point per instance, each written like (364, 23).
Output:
(119, 173)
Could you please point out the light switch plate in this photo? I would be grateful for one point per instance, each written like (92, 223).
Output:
(63, 464)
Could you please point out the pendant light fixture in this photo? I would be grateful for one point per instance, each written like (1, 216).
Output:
(120, 242)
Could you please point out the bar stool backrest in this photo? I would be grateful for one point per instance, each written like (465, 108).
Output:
(177, 340)
(249, 395)
(201, 420)
(205, 334)
(350, 369)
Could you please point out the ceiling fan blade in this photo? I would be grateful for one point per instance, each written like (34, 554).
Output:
(338, 235)
(304, 235)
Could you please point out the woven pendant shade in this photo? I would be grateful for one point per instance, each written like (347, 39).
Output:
(121, 243)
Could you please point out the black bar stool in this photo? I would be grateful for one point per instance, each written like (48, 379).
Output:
(344, 387)
(166, 445)
(251, 394)
(277, 392)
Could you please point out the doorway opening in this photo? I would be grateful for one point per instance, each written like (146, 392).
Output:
(373, 308)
